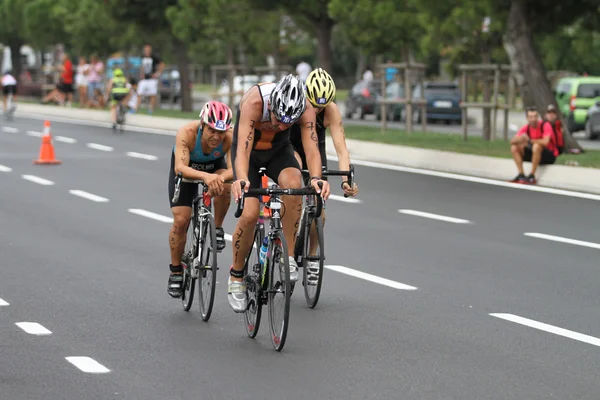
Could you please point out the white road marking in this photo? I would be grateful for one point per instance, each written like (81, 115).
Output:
(33, 328)
(65, 139)
(100, 147)
(344, 199)
(88, 196)
(473, 179)
(562, 240)
(35, 133)
(548, 328)
(87, 364)
(3, 303)
(369, 277)
(434, 216)
(9, 129)
(37, 179)
(5, 169)
(151, 215)
(142, 156)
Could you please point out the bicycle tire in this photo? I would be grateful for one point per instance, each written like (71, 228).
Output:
(299, 245)
(279, 254)
(254, 271)
(190, 252)
(207, 277)
(313, 292)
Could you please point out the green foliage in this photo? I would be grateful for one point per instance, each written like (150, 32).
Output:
(379, 26)
(12, 18)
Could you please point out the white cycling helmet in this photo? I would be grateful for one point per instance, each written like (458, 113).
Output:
(288, 100)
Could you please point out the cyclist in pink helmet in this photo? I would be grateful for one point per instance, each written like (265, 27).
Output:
(201, 151)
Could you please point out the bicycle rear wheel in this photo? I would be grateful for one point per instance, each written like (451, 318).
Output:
(279, 291)
(312, 286)
(254, 273)
(207, 277)
(189, 254)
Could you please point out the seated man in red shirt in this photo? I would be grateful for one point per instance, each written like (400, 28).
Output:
(535, 142)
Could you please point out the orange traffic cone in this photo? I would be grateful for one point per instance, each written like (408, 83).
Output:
(47, 149)
(264, 185)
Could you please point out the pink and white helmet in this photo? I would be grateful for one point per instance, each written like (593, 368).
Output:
(217, 115)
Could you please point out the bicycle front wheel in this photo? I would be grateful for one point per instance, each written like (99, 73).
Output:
(253, 278)
(207, 278)
(279, 291)
(313, 279)
(187, 259)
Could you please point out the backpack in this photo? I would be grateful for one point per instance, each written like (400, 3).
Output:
(559, 139)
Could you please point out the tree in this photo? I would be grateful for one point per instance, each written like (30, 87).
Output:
(12, 30)
(151, 19)
(313, 13)
(524, 19)
(379, 26)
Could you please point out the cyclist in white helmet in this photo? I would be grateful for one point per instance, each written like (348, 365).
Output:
(261, 138)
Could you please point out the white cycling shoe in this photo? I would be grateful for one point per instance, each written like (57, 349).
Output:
(293, 270)
(236, 294)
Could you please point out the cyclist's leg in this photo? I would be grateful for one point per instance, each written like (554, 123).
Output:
(284, 169)
(113, 109)
(182, 212)
(221, 204)
(4, 97)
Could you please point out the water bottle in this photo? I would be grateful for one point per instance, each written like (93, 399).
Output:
(262, 256)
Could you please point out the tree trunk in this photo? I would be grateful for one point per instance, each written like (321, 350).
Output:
(530, 73)
(324, 28)
(183, 64)
(231, 73)
(15, 57)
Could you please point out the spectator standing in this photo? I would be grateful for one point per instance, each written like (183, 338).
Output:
(95, 75)
(81, 80)
(302, 70)
(152, 67)
(367, 75)
(535, 142)
(64, 89)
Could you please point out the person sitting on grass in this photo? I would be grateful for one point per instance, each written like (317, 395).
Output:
(535, 142)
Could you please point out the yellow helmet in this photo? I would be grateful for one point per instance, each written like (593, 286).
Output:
(320, 88)
(118, 72)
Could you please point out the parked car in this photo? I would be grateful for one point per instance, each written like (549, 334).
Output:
(443, 102)
(169, 84)
(575, 95)
(393, 91)
(363, 98)
(592, 122)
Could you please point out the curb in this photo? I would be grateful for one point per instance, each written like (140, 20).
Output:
(554, 176)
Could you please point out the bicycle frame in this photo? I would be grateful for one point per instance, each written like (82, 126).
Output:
(205, 209)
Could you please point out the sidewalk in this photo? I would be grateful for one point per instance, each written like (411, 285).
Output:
(555, 176)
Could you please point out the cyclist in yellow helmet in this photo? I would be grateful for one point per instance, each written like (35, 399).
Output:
(120, 91)
(320, 92)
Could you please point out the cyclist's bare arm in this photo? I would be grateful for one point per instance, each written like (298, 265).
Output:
(333, 120)
(250, 116)
(228, 174)
(183, 140)
(310, 140)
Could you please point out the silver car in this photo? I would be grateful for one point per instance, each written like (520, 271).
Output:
(592, 123)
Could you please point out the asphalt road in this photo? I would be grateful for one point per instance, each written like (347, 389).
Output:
(93, 276)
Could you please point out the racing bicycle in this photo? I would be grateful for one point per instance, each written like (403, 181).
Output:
(311, 213)
(199, 258)
(268, 282)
